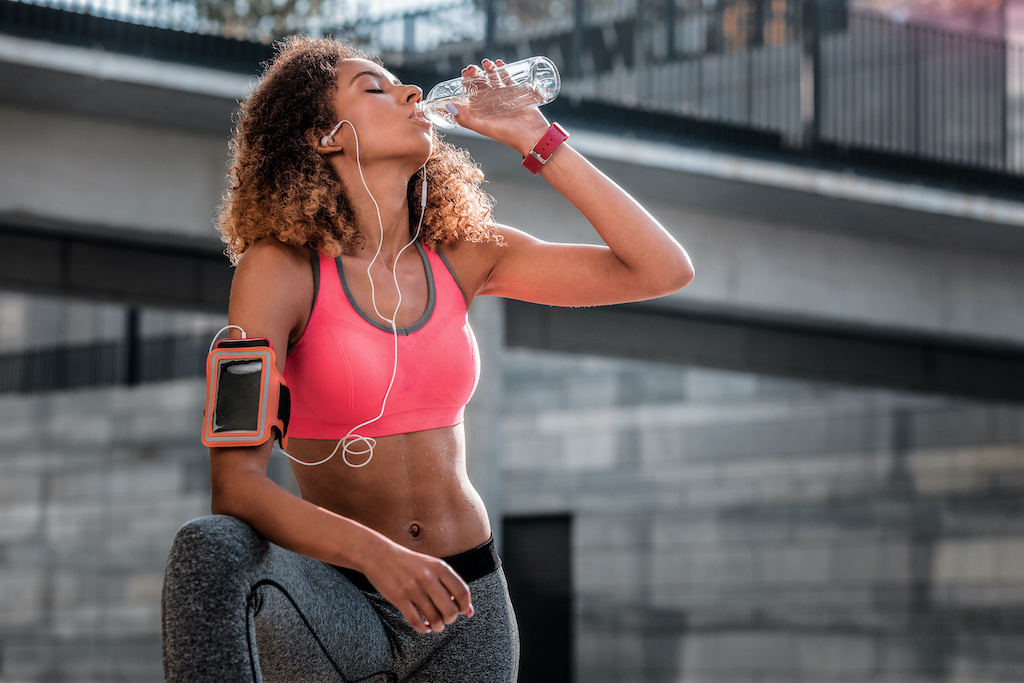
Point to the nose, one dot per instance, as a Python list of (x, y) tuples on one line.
[(415, 93)]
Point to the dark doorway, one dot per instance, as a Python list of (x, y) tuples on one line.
[(537, 559)]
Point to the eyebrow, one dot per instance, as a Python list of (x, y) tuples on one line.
[(375, 73)]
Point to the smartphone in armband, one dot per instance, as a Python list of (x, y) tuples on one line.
[(246, 397)]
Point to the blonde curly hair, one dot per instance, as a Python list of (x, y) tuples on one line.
[(280, 187)]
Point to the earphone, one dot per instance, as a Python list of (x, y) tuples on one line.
[(329, 138)]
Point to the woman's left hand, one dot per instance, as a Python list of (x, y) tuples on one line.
[(520, 130)]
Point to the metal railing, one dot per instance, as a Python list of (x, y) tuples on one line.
[(77, 366), (804, 75), (125, 35), (813, 75)]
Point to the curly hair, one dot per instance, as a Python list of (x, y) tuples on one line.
[(279, 186)]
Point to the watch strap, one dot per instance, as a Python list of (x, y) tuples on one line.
[(543, 150)]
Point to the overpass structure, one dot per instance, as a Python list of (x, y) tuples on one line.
[(114, 164), (703, 540)]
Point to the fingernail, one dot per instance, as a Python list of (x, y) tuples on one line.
[(470, 611), (452, 109)]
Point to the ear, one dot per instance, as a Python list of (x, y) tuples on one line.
[(321, 144)]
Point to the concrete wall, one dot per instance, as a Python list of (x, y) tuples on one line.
[(156, 181)]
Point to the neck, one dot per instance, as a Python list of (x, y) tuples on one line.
[(381, 208)]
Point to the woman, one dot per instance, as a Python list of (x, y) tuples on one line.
[(383, 569)]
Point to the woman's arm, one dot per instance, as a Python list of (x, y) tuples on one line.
[(640, 259), (270, 297)]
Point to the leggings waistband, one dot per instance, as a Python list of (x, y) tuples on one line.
[(471, 565)]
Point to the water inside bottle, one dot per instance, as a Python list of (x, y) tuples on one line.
[(483, 103)]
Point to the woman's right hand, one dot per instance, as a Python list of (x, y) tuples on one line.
[(428, 592)]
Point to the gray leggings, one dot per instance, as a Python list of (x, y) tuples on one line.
[(229, 594)]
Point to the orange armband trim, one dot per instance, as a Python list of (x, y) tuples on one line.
[(246, 397)]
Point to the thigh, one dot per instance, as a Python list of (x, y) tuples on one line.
[(480, 649), (312, 624)]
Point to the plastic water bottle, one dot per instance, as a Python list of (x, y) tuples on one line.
[(526, 83)]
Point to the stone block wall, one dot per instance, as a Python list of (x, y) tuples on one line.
[(731, 528), (726, 527), (93, 486)]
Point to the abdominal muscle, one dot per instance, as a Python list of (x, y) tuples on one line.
[(415, 489)]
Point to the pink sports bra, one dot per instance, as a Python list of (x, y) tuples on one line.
[(338, 371)]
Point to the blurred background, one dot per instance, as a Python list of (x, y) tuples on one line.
[(806, 467)]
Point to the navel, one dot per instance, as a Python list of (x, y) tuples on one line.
[(414, 530)]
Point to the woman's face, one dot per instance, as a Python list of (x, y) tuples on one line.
[(383, 112)]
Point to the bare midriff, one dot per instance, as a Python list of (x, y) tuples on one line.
[(415, 490)]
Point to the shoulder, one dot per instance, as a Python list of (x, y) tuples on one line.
[(273, 282), (270, 256), (270, 265)]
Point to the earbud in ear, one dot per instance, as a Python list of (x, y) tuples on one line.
[(329, 138)]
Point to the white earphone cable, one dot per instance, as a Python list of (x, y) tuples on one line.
[(352, 437), (226, 327)]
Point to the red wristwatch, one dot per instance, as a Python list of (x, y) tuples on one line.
[(543, 150)]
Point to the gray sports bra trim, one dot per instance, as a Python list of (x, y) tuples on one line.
[(444, 259), (314, 259), (431, 298)]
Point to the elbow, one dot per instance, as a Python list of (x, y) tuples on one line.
[(684, 274), (220, 505), (228, 502), (220, 501), (677, 275)]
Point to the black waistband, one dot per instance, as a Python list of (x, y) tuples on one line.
[(471, 565)]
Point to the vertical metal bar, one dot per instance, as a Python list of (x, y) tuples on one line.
[(885, 71), (490, 26), (1017, 137), (132, 350), (950, 105), (750, 85), (700, 62), (857, 128), (1004, 114), (817, 71), (916, 92), (670, 30), (576, 56), (810, 75), (884, 86), (409, 33), (942, 110), (639, 54), (963, 111), (923, 89)]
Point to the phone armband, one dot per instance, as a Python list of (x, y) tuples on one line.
[(246, 397)]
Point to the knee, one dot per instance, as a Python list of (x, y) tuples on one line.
[(213, 546), (209, 570)]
